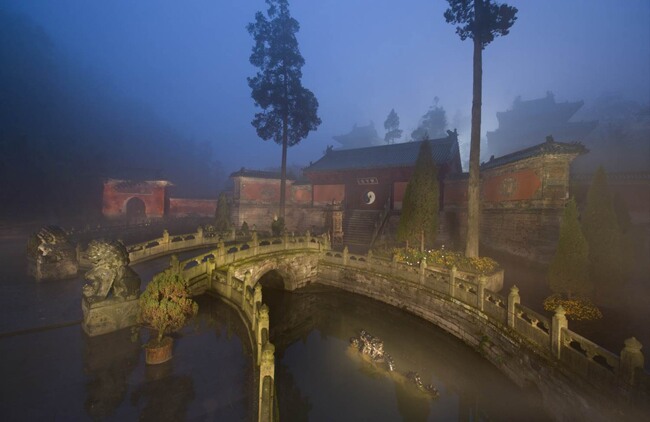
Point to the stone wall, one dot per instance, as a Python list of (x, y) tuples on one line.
[(183, 207), (521, 206)]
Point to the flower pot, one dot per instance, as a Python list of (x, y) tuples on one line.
[(158, 352)]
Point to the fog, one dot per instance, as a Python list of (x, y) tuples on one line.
[(103, 88)]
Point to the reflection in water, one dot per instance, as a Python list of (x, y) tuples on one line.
[(167, 395), (318, 373), (108, 361)]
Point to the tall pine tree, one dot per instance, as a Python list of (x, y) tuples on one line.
[(391, 125), (419, 219), (480, 20), (289, 110), (568, 273)]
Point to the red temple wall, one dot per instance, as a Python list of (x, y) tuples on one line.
[(182, 207)]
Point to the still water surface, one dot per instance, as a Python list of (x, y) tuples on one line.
[(320, 378)]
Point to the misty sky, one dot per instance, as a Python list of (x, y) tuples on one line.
[(188, 61)]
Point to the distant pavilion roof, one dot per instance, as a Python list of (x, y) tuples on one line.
[(443, 151), (548, 147)]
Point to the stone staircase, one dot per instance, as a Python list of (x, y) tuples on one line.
[(359, 228)]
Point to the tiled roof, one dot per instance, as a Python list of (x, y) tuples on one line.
[(548, 147), (394, 155), (260, 174)]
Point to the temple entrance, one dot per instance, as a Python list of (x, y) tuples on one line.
[(135, 210)]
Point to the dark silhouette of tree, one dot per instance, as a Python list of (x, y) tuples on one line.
[(480, 20), (391, 125), (289, 110), (433, 123), (603, 235), (419, 219), (568, 273), (222, 215)]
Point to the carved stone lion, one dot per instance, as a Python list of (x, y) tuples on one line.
[(111, 275), (50, 254)]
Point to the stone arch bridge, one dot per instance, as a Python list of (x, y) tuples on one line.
[(576, 378)]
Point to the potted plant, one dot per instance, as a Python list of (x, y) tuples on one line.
[(165, 306)]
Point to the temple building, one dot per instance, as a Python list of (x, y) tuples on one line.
[(529, 122), (359, 137)]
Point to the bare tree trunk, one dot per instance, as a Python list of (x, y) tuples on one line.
[(473, 186), (283, 171)]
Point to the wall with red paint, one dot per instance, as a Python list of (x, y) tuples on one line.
[(182, 207)]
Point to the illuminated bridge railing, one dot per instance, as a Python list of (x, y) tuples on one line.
[(478, 293), (550, 336), (213, 272)]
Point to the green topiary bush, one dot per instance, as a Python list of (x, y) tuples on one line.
[(165, 305)]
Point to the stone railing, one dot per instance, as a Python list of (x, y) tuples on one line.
[(214, 273), (415, 289), (550, 337)]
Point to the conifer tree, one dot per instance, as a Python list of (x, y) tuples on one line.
[(603, 236), (419, 219), (222, 215), (568, 273), (482, 21), (289, 110), (391, 125)]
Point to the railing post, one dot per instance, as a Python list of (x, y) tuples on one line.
[(557, 324), (285, 239), (369, 259), (513, 300), (233, 234), (255, 244), (631, 360), (307, 238), (480, 294), (423, 270), (246, 283), (229, 276), (199, 235), (346, 256), (165, 236), (221, 253), (452, 281), (174, 264), (266, 398)]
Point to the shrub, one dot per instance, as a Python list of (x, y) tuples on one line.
[(165, 304), (446, 258)]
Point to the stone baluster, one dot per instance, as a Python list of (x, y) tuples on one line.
[(199, 235), (513, 301), (346, 256), (423, 270), (165, 237), (262, 330), (631, 360), (255, 244), (557, 324), (210, 266), (230, 274), (480, 294), (221, 253), (174, 264), (452, 281), (285, 239), (266, 388), (369, 259), (232, 234), (246, 283), (307, 239)]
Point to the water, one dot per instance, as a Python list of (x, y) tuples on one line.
[(319, 377), (50, 370)]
